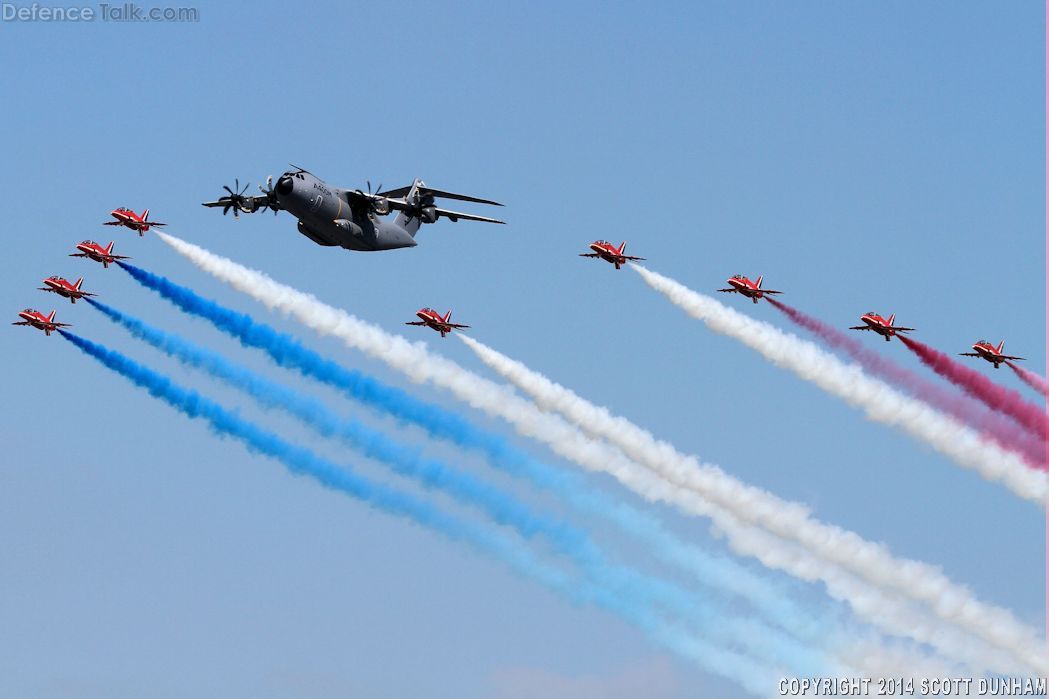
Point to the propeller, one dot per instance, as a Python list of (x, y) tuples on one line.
[(235, 199), (271, 196), (378, 204)]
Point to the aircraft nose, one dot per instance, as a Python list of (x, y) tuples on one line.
[(285, 185)]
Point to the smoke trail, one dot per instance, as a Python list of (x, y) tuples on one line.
[(1004, 400), (500, 506), (1035, 381), (1004, 431), (717, 572), (433, 473), (890, 613), (880, 402), (730, 502), (301, 461)]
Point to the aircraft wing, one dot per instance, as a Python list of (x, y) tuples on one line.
[(589, 254), (112, 223), (1005, 356), (415, 322), (900, 329), (769, 291), (968, 354), (861, 327), (729, 291), (631, 257), (61, 325), (21, 322), (403, 191), (456, 325), (454, 216)]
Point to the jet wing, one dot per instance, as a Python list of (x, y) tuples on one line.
[(897, 329), (61, 325), (631, 257), (729, 291), (769, 291), (21, 322), (415, 322), (589, 254), (112, 223), (1005, 356), (861, 327), (969, 354), (455, 325)]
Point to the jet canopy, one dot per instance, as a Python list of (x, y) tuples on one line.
[(428, 310), (982, 342), (30, 310), (88, 242), (55, 279)]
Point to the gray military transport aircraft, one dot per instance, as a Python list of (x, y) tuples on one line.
[(349, 218)]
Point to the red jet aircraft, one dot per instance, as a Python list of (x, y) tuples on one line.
[(882, 326), (609, 253), (432, 319), (986, 350), (96, 252), (127, 217), (62, 287), (35, 318), (752, 290)]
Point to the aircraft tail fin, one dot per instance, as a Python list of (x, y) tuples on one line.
[(758, 282), (109, 248), (51, 316), (408, 220), (78, 283), (622, 248), (1001, 346), (447, 316), (892, 317), (145, 215)]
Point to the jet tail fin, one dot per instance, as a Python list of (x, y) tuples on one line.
[(622, 248), (1001, 346), (892, 317), (78, 283), (109, 248), (758, 282), (51, 316), (447, 316)]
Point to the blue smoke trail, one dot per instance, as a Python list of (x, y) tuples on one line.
[(432, 473), (303, 462), (719, 572), (500, 506)]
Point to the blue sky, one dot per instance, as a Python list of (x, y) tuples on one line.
[(885, 156)]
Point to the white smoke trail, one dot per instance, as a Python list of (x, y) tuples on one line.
[(829, 548), (880, 401), (414, 360)]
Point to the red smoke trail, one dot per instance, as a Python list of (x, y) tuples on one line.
[(966, 410), (1035, 381), (1004, 400)]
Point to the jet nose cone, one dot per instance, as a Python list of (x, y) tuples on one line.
[(285, 184)]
